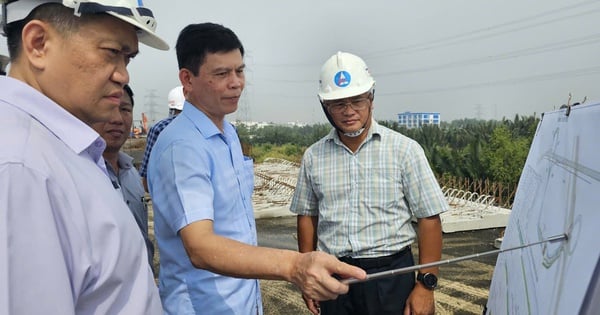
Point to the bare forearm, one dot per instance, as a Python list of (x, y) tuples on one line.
[(225, 256), (311, 272), (235, 259), (307, 233), (430, 242)]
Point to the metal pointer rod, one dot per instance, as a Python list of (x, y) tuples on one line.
[(399, 271)]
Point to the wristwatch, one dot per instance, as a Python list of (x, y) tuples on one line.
[(429, 280)]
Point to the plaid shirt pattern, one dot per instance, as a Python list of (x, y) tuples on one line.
[(153, 133), (365, 200)]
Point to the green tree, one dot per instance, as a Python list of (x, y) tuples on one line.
[(473, 148), (506, 155)]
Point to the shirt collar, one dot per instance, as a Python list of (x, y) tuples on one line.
[(125, 161), (69, 129), (206, 126)]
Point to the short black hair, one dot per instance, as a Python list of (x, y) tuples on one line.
[(129, 92), (197, 40)]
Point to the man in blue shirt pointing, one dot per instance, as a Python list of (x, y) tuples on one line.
[(201, 186)]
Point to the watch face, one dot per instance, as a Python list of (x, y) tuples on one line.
[(429, 280)]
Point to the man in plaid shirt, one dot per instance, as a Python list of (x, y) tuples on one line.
[(357, 191), (176, 99)]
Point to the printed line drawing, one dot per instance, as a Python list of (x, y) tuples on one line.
[(557, 193)]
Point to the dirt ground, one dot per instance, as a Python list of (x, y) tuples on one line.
[(463, 286)]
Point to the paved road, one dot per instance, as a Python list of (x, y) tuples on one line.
[(463, 286)]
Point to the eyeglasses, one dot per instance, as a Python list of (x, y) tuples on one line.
[(337, 107)]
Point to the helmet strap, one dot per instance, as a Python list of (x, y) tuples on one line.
[(356, 133)]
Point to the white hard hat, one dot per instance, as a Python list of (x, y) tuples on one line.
[(176, 98), (344, 75), (130, 11)]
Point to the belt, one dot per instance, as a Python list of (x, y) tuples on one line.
[(376, 262)]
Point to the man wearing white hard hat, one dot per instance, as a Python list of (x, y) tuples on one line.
[(358, 189), (175, 101), (68, 243)]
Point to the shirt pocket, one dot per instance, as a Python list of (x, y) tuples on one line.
[(383, 189)]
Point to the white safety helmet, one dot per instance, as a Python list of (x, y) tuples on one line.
[(344, 75), (176, 98), (130, 11)]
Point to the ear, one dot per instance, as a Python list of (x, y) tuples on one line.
[(35, 37), (185, 77)]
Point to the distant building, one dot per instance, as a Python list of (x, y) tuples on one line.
[(259, 124), (416, 120)]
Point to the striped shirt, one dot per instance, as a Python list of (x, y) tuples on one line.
[(365, 200)]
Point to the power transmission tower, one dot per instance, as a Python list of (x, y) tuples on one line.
[(495, 111), (243, 111), (153, 106), (478, 111)]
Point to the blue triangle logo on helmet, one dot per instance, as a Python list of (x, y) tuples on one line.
[(342, 79)]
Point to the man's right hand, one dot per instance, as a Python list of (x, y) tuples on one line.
[(313, 274), (313, 306)]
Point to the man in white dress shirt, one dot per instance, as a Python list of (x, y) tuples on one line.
[(68, 244)]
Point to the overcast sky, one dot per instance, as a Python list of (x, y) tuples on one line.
[(462, 58)]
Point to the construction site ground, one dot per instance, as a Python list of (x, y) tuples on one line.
[(463, 286)]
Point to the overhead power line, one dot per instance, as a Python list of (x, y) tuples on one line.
[(483, 33), (552, 47), (535, 78)]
